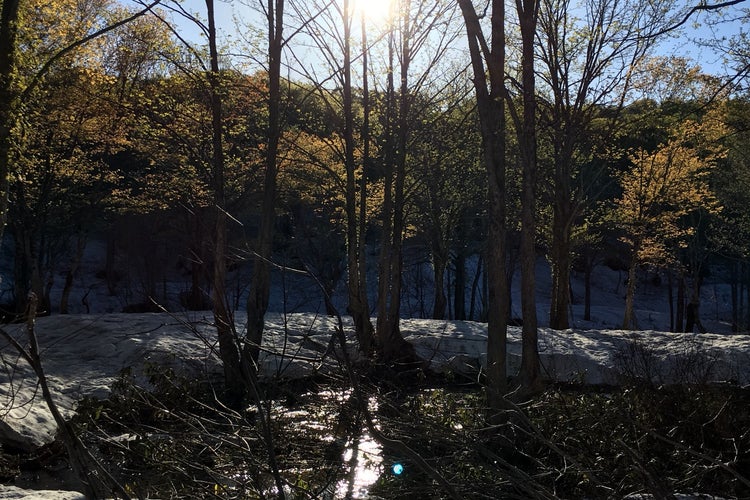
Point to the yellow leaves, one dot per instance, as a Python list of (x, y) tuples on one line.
[(667, 184)]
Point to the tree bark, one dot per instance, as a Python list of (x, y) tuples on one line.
[(228, 347), (391, 345), (70, 275), (680, 314), (358, 306), (588, 271), (489, 86), (475, 288), (670, 299), (260, 290), (735, 272), (560, 263), (530, 373), (439, 264), (367, 330), (629, 321), (459, 304)]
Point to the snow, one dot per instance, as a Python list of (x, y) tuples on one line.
[(84, 354), (10, 492)]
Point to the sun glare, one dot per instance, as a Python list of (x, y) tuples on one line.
[(375, 11)]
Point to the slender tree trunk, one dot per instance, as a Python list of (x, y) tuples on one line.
[(695, 301), (70, 275), (629, 321), (587, 284), (383, 325), (260, 290), (228, 347), (680, 314), (358, 306), (439, 264), (561, 263), (391, 344), (459, 305), (459, 263), (8, 34), (735, 271), (530, 371), (489, 86), (368, 330), (670, 298), (475, 288)]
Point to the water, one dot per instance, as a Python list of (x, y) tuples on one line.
[(365, 462)]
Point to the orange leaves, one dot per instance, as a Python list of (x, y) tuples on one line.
[(666, 184)]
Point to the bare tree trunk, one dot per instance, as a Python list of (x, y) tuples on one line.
[(529, 374), (489, 86), (561, 263), (367, 331), (439, 263), (475, 287), (228, 347), (459, 304), (391, 344), (358, 306), (260, 290), (680, 314), (735, 272), (670, 298), (695, 301), (629, 321), (587, 284), (70, 275)]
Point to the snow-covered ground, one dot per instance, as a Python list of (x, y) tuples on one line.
[(84, 354)]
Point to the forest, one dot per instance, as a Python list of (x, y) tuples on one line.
[(207, 163)]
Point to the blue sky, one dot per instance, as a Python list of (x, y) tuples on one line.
[(697, 28)]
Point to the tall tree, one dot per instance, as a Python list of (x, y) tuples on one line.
[(589, 61), (13, 93), (528, 16), (260, 290), (660, 189), (407, 42), (234, 381), (449, 189), (488, 65), (337, 52)]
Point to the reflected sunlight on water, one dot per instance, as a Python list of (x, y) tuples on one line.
[(365, 462)]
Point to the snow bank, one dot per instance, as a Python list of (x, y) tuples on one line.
[(84, 355), (9, 492)]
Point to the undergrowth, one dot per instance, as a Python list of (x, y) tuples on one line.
[(171, 438)]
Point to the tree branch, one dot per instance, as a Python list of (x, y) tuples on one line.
[(78, 43), (697, 8)]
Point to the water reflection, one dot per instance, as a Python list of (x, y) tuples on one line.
[(365, 463)]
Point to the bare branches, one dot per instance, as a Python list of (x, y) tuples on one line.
[(98, 482), (702, 7)]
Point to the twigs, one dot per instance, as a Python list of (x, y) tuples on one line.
[(97, 481)]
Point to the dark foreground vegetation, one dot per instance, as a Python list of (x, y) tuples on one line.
[(167, 437)]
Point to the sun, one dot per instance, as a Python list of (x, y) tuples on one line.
[(375, 11)]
